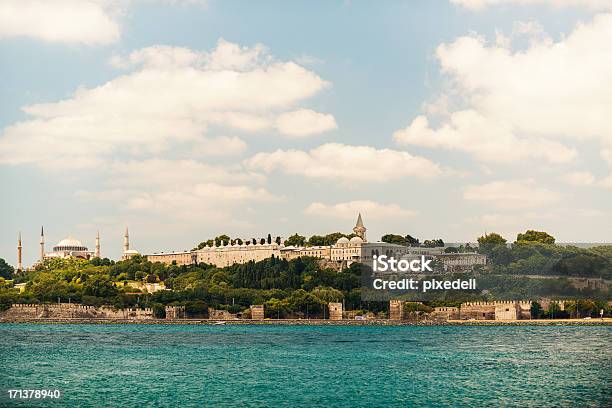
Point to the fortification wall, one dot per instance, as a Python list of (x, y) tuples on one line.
[(445, 313), (215, 314), (335, 311), (396, 310), (175, 312), (73, 311), (257, 312)]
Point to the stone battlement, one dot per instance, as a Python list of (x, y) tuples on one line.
[(73, 310)]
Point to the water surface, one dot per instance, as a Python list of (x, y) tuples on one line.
[(338, 366)]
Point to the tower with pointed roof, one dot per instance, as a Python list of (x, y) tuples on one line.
[(126, 240), (359, 229), (19, 254), (97, 251), (42, 244)]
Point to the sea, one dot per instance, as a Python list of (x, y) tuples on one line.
[(147, 365)]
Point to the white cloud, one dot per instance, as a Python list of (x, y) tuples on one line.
[(588, 4), (179, 189), (369, 209), (519, 194), (304, 122), (524, 104), (170, 98), (606, 154), (579, 178), (346, 163), (88, 22), (218, 146), (488, 140), (606, 182)]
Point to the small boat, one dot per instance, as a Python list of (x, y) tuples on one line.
[(220, 323)]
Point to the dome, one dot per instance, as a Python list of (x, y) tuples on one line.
[(343, 240), (356, 240), (69, 242), (131, 251)]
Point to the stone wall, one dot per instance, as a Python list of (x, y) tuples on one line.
[(445, 313), (396, 310), (175, 312), (257, 312), (73, 311), (215, 314), (478, 311), (335, 311), (496, 310)]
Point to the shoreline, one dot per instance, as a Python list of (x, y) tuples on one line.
[(321, 322)]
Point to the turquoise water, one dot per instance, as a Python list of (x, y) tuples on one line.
[(182, 365)]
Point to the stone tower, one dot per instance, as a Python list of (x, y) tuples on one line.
[(19, 254), (42, 244), (126, 240), (359, 229), (97, 251)]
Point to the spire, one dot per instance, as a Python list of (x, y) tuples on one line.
[(97, 252), (19, 254), (360, 229), (126, 240), (359, 221), (42, 243)]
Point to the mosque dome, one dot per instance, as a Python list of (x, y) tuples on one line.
[(131, 252), (356, 240), (342, 240), (69, 244)]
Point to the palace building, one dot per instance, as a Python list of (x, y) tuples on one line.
[(341, 254)]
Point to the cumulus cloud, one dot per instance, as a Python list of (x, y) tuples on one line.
[(170, 96), (515, 194), (606, 182), (588, 4), (179, 188), (524, 104), (487, 139), (342, 162), (369, 209), (606, 154), (304, 122), (579, 178), (90, 22)]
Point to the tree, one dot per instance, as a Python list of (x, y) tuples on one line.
[(295, 240), (100, 286), (269, 239), (433, 243), (535, 236), (316, 240), (487, 242), (411, 241), (393, 239), (6, 270), (327, 294), (536, 310), (278, 240)]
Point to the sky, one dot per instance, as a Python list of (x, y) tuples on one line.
[(187, 119)]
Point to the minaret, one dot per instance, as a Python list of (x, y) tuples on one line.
[(97, 252), (126, 241), (359, 229), (42, 244), (19, 254)]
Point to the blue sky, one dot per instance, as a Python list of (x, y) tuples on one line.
[(434, 118)]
